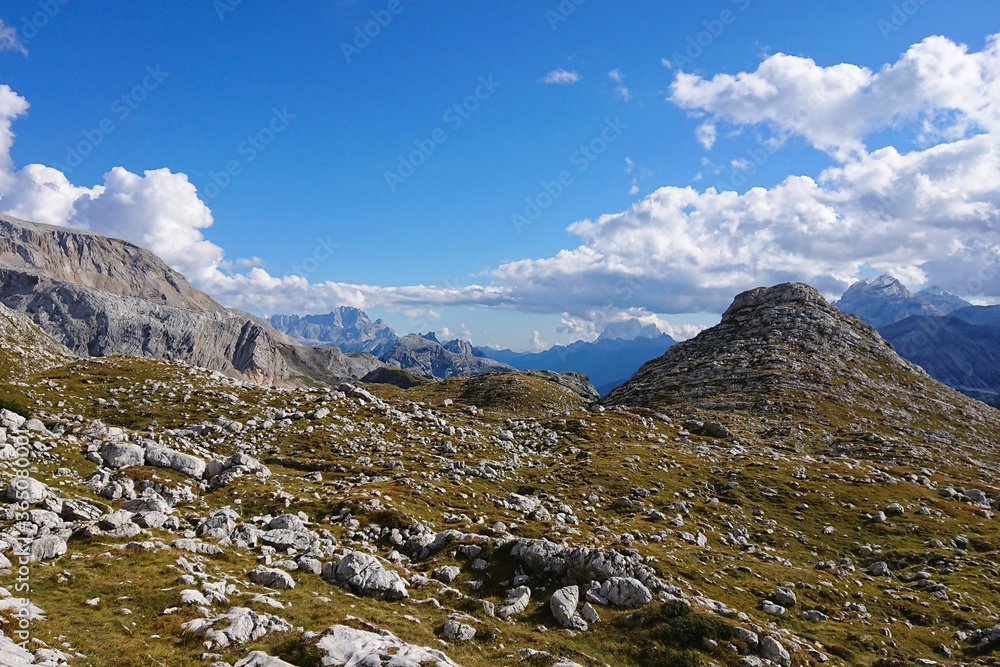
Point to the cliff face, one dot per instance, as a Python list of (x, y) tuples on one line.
[(91, 260), (101, 297)]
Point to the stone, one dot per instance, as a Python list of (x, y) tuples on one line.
[(589, 613), (271, 578), (784, 596), (879, 569), (563, 604), (46, 547), (11, 421), (458, 631), (517, 602), (446, 573), (242, 625), (26, 490), (35, 425), (771, 649), (186, 464), (122, 454), (772, 608), (895, 509), (626, 592), (363, 574), (261, 659), (282, 539), (344, 645)]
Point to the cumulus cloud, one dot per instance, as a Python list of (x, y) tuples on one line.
[(936, 83), (9, 39), (560, 76)]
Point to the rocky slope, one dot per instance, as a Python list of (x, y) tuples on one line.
[(759, 511), (101, 297), (885, 300), (25, 349)]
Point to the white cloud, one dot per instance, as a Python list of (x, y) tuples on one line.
[(936, 83), (560, 76), (616, 75), (9, 40), (535, 343), (705, 134)]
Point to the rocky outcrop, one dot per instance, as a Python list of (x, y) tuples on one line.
[(26, 349)]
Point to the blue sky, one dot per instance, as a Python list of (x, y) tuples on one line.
[(308, 134)]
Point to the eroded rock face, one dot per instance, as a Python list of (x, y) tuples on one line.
[(237, 626), (346, 646), (363, 574)]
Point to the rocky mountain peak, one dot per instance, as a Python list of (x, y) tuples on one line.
[(785, 349), (763, 298)]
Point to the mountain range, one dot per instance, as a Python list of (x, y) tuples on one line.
[(954, 341), (608, 361)]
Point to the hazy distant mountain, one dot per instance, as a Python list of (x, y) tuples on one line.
[(960, 354), (610, 360), (885, 300), (348, 328)]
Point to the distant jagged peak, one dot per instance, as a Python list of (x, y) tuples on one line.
[(629, 330), (884, 286)]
